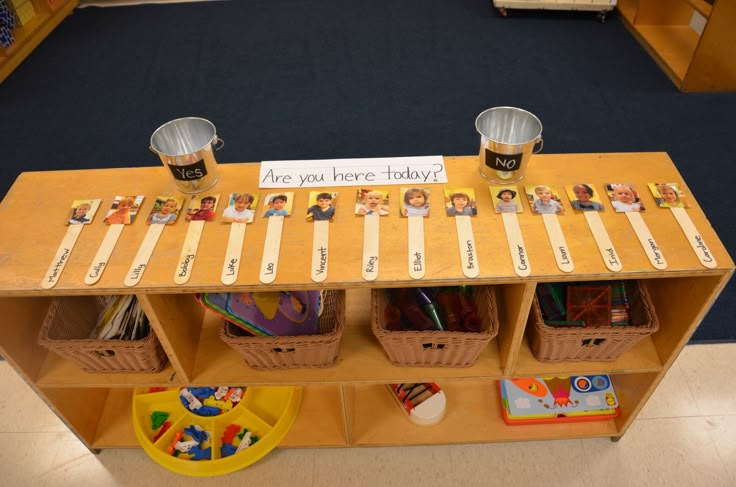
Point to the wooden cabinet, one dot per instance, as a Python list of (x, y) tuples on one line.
[(670, 30), (346, 404), (29, 36)]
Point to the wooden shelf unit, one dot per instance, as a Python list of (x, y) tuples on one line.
[(29, 36), (346, 404), (694, 61)]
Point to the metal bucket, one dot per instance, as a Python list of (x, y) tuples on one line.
[(185, 147), (507, 139)]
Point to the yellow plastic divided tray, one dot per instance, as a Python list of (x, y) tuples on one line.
[(266, 412)]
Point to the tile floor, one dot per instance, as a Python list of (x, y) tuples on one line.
[(686, 435)]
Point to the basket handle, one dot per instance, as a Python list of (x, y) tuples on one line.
[(592, 342), (103, 353), (283, 350), (433, 346)]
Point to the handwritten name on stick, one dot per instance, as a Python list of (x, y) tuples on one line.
[(516, 244), (416, 246), (231, 266), (351, 172), (466, 245), (693, 236), (320, 246), (61, 257), (103, 254)]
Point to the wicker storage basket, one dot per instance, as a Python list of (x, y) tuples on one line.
[(593, 343), (69, 322), (286, 352), (436, 348)]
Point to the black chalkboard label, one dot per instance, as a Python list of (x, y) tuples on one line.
[(189, 172), (503, 162)]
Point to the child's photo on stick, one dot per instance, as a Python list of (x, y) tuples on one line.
[(83, 211), (624, 197), (584, 197), (371, 202), (460, 201), (165, 210), (202, 208), (240, 208), (278, 204), (415, 202), (124, 209), (544, 199), (505, 199), (668, 195), (321, 206)]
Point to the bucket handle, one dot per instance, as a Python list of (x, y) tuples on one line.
[(541, 146), (150, 147)]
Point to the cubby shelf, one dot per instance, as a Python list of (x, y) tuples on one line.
[(347, 404), (29, 36), (694, 59)]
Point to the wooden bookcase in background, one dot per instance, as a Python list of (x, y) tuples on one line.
[(694, 62), (29, 36), (347, 404)]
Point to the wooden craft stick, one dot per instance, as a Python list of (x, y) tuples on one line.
[(647, 240), (466, 244), (103, 253), (370, 247), (320, 250), (558, 242), (138, 267), (693, 236), (189, 252), (417, 258), (234, 251), (62, 256), (271, 249), (605, 246), (519, 255)]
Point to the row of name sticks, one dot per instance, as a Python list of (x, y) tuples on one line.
[(370, 259)]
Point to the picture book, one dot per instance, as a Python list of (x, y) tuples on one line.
[(558, 399), (217, 303), (279, 313)]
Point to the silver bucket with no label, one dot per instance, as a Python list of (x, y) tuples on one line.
[(508, 136), (185, 146)]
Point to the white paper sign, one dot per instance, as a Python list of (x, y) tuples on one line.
[(352, 172)]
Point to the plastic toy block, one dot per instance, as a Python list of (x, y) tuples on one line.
[(198, 454), (591, 304), (234, 395), (177, 437), (229, 433), (164, 428), (207, 411), (244, 443), (158, 418), (224, 405), (185, 446), (197, 433), (227, 450), (191, 402), (220, 393), (242, 434), (552, 299), (202, 392)]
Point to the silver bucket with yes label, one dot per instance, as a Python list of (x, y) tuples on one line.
[(185, 146), (507, 139)]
